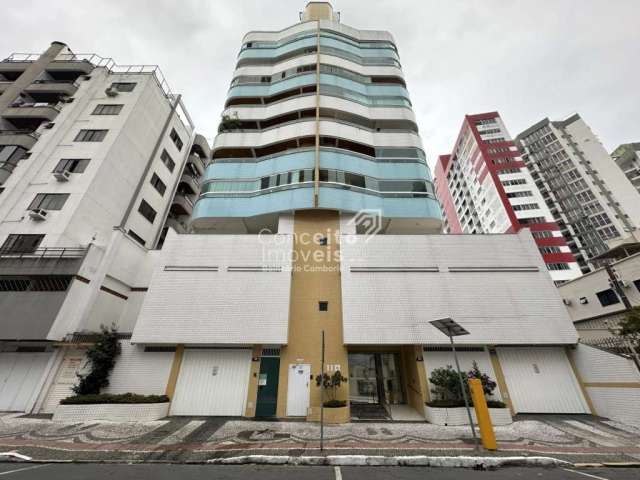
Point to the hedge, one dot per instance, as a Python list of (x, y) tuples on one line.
[(110, 398)]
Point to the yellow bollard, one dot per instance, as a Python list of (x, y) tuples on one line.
[(487, 435)]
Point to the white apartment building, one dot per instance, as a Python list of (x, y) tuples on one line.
[(627, 157), (104, 158), (592, 201)]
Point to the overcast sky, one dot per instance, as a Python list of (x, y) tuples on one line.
[(527, 59)]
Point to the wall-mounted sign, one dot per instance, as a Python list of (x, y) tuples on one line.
[(262, 380)]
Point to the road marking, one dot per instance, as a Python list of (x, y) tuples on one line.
[(25, 468), (336, 470), (585, 474), (181, 433)]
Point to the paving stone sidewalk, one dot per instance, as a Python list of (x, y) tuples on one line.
[(193, 439)]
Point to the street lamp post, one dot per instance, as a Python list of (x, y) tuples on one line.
[(452, 329)]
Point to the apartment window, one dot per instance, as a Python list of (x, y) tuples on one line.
[(105, 109), (90, 135), (136, 237), (526, 206), (167, 160), (158, 184), (40, 283), (123, 86), (549, 250), (607, 297), (21, 243), (637, 284), (542, 234), (72, 165), (323, 306), (147, 211), (49, 201), (557, 266), (176, 139)]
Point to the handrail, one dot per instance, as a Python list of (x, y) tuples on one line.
[(98, 61), (46, 252), (31, 133)]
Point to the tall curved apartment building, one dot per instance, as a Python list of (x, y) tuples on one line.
[(318, 116)]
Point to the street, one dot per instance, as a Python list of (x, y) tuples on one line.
[(29, 471)]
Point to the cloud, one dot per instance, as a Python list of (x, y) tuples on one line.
[(526, 59)]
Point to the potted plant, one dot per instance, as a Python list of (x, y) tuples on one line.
[(447, 406), (336, 411), (229, 123)]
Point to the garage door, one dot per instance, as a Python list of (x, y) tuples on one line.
[(540, 380), (74, 362), (212, 382), (20, 376)]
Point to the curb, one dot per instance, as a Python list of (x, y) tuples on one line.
[(378, 460)]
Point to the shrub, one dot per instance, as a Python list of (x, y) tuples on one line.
[(446, 383), (331, 383), (112, 398), (102, 358)]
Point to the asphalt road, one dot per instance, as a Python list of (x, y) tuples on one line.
[(26, 471)]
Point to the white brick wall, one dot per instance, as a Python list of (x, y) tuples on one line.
[(599, 367), (497, 307), (218, 307)]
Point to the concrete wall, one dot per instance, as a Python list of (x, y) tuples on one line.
[(588, 285)]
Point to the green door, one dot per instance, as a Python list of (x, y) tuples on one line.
[(268, 387)]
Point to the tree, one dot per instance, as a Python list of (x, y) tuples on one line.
[(101, 357), (630, 327), (331, 383)]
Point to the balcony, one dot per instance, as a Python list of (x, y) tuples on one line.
[(176, 224), (20, 138), (190, 183), (182, 205), (43, 111), (4, 84), (42, 261), (197, 162), (35, 285), (52, 87)]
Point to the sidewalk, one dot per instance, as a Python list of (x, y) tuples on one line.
[(188, 439)]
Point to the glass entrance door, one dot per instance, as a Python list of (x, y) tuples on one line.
[(375, 378), (363, 386)]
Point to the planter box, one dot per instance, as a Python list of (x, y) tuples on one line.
[(458, 416), (331, 415), (114, 412)]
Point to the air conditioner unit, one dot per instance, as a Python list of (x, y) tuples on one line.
[(111, 92), (48, 125), (62, 176), (584, 300), (566, 301), (38, 214)]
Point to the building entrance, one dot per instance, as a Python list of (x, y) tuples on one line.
[(375, 380)]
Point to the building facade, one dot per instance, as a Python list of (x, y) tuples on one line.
[(484, 187), (317, 226), (592, 202), (627, 157), (97, 160)]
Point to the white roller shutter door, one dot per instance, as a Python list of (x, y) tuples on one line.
[(541, 380), (212, 382)]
